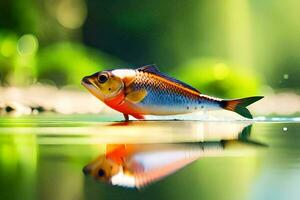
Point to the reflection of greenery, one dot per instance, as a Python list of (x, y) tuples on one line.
[(215, 77), (19, 154)]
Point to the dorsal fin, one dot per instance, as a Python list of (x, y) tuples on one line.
[(154, 70), (149, 68)]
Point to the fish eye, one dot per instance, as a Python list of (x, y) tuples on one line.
[(102, 78), (101, 173)]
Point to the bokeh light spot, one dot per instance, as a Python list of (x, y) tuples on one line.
[(285, 76), (221, 71), (27, 45), (71, 13)]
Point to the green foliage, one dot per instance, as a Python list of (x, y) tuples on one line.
[(67, 63), (166, 33), (21, 63), (17, 58), (8, 51), (220, 79)]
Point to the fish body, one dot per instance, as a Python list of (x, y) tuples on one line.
[(166, 96), (146, 91)]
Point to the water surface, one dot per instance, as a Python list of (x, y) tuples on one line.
[(42, 157)]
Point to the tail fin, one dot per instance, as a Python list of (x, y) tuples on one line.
[(239, 105)]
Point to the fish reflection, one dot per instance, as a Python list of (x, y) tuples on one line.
[(137, 165)]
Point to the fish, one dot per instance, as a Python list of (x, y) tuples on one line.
[(139, 165), (147, 91)]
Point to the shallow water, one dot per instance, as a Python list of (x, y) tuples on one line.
[(43, 157)]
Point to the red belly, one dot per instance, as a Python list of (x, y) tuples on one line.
[(119, 103)]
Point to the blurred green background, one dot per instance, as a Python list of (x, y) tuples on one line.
[(225, 48), (229, 49)]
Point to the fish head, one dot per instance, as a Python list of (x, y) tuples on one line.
[(102, 169), (104, 84)]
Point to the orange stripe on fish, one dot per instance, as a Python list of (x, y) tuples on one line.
[(174, 84), (231, 105)]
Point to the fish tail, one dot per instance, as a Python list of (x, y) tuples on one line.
[(239, 105)]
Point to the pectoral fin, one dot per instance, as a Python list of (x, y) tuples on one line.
[(136, 96), (128, 80)]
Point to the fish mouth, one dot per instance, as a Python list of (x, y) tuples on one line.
[(91, 87), (87, 170), (85, 81)]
